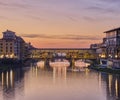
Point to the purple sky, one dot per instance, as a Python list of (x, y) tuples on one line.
[(60, 23)]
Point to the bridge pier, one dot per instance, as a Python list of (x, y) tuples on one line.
[(46, 62), (72, 63)]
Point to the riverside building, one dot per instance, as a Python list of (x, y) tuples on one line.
[(113, 43), (112, 48), (12, 46)]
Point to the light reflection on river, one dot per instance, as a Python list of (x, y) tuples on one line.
[(34, 83)]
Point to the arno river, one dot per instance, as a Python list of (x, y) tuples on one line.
[(38, 83)]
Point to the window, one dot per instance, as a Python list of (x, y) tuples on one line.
[(6, 49), (11, 51), (111, 34), (1, 44)]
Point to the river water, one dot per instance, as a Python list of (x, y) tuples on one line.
[(41, 83)]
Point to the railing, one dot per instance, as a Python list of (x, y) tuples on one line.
[(73, 56)]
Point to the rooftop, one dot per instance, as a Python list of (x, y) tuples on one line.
[(112, 30), (9, 31)]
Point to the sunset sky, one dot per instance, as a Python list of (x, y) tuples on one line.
[(60, 23)]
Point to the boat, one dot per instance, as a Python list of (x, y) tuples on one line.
[(81, 64), (73, 70), (41, 64), (59, 64), (110, 63)]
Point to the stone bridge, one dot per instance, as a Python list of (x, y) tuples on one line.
[(68, 53)]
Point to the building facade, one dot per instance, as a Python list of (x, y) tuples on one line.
[(111, 46), (113, 43), (6, 48), (12, 46)]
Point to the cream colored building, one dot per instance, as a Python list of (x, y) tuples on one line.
[(6, 48), (11, 46)]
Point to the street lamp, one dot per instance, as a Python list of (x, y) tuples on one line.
[(116, 56)]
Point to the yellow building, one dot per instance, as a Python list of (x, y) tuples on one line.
[(6, 48), (12, 46)]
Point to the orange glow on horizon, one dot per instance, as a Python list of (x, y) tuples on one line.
[(59, 43), (78, 18)]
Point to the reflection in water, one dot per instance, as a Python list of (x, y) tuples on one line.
[(116, 87), (36, 83), (59, 72), (2, 79), (112, 83), (59, 69), (11, 78), (10, 82), (7, 79)]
